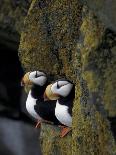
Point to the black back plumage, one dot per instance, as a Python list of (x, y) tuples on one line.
[(45, 109), (38, 91)]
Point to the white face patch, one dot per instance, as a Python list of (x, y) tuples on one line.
[(61, 83), (63, 89), (38, 78), (30, 103), (36, 74), (61, 113)]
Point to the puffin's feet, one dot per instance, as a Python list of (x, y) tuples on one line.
[(38, 125), (64, 131)]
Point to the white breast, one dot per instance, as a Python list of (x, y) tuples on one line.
[(30, 103), (61, 112)]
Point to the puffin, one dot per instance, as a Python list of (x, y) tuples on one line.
[(64, 91), (37, 106)]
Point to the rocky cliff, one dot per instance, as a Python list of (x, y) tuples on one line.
[(12, 13), (66, 38), (71, 39)]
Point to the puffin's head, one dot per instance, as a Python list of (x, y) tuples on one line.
[(60, 88), (35, 77)]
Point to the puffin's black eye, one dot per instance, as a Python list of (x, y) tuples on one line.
[(36, 75), (58, 85)]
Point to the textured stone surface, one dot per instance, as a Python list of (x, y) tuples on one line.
[(12, 13), (65, 38), (105, 10)]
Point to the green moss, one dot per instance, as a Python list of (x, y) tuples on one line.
[(98, 60), (92, 80), (89, 123), (89, 129), (109, 88), (92, 32), (54, 144)]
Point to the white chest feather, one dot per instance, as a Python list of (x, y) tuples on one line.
[(30, 103), (61, 112)]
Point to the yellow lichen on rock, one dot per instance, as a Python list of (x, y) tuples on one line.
[(91, 130), (109, 96), (92, 79), (92, 32), (54, 144)]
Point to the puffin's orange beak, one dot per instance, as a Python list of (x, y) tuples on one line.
[(25, 80), (45, 97), (49, 95)]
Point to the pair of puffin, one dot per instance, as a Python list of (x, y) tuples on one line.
[(50, 103)]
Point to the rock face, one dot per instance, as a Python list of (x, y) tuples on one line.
[(66, 38), (105, 10), (12, 13)]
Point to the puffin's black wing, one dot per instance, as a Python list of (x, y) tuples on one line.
[(46, 110)]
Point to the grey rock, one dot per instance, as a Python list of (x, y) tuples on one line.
[(105, 10)]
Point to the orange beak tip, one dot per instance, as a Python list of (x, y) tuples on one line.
[(45, 97)]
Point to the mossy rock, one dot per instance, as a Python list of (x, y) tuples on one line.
[(54, 144), (65, 38)]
